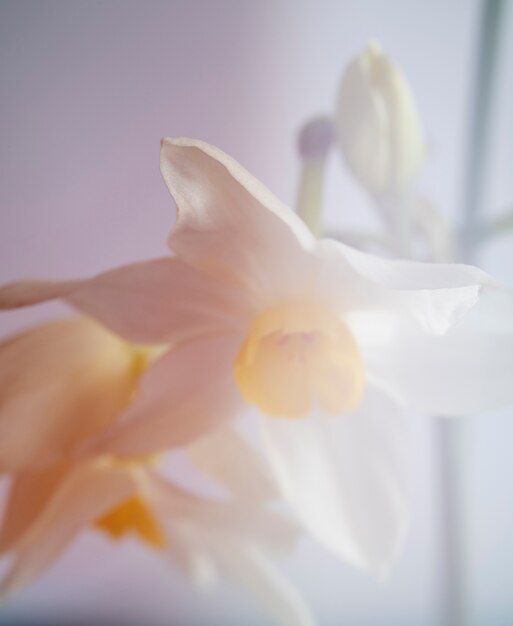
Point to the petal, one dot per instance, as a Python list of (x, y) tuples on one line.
[(256, 574), (30, 292), (466, 370), (229, 224), (60, 383), (235, 519), (158, 301), (345, 477), (87, 492), (184, 394), (226, 456), (435, 295), (229, 538), (27, 496)]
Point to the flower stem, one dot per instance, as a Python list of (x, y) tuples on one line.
[(456, 438)]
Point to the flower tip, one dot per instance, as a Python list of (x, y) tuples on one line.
[(316, 138), (373, 47)]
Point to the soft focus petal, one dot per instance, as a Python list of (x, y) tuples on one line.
[(84, 495), (226, 456), (229, 224), (28, 495), (435, 295), (252, 570), (345, 477), (60, 383), (230, 539), (29, 292), (157, 301), (186, 393), (466, 370), (229, 519)]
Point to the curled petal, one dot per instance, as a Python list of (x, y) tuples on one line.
[(157, 301), (467, 370), (435, 295), (183, 395), (229, 224), (345, 477)]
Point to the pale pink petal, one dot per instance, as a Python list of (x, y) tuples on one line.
[(158, 301), (466, 370), (186, 393), (227, 456), (29, 292), (346, 478), (435, 295), (87, 492), (230, 225), (60, 383)]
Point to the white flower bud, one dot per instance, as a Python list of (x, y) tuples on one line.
[(378, 125)]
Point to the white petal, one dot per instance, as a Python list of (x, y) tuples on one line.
[(433, 294), (229, 519), (232, 538), (345, 477), (253, 571), (184, 394), (229, 224), (226, 456), (466, 370), (157, 301), (87, 492)]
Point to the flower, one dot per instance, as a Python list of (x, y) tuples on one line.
[(60, 384), (378, 126), (329, 344)]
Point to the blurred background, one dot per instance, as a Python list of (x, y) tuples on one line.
[(88, 90)]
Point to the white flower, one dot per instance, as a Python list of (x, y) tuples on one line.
[(378, 125), (328, 343)]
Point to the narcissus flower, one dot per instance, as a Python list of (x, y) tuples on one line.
[(63, 382), (378, 124), (328, 344)]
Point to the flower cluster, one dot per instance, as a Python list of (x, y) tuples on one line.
[(324, 347)]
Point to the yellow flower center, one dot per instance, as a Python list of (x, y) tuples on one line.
[(299, 356), (133, 516)]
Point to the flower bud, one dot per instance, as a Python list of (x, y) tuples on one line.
[(378, 125)]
